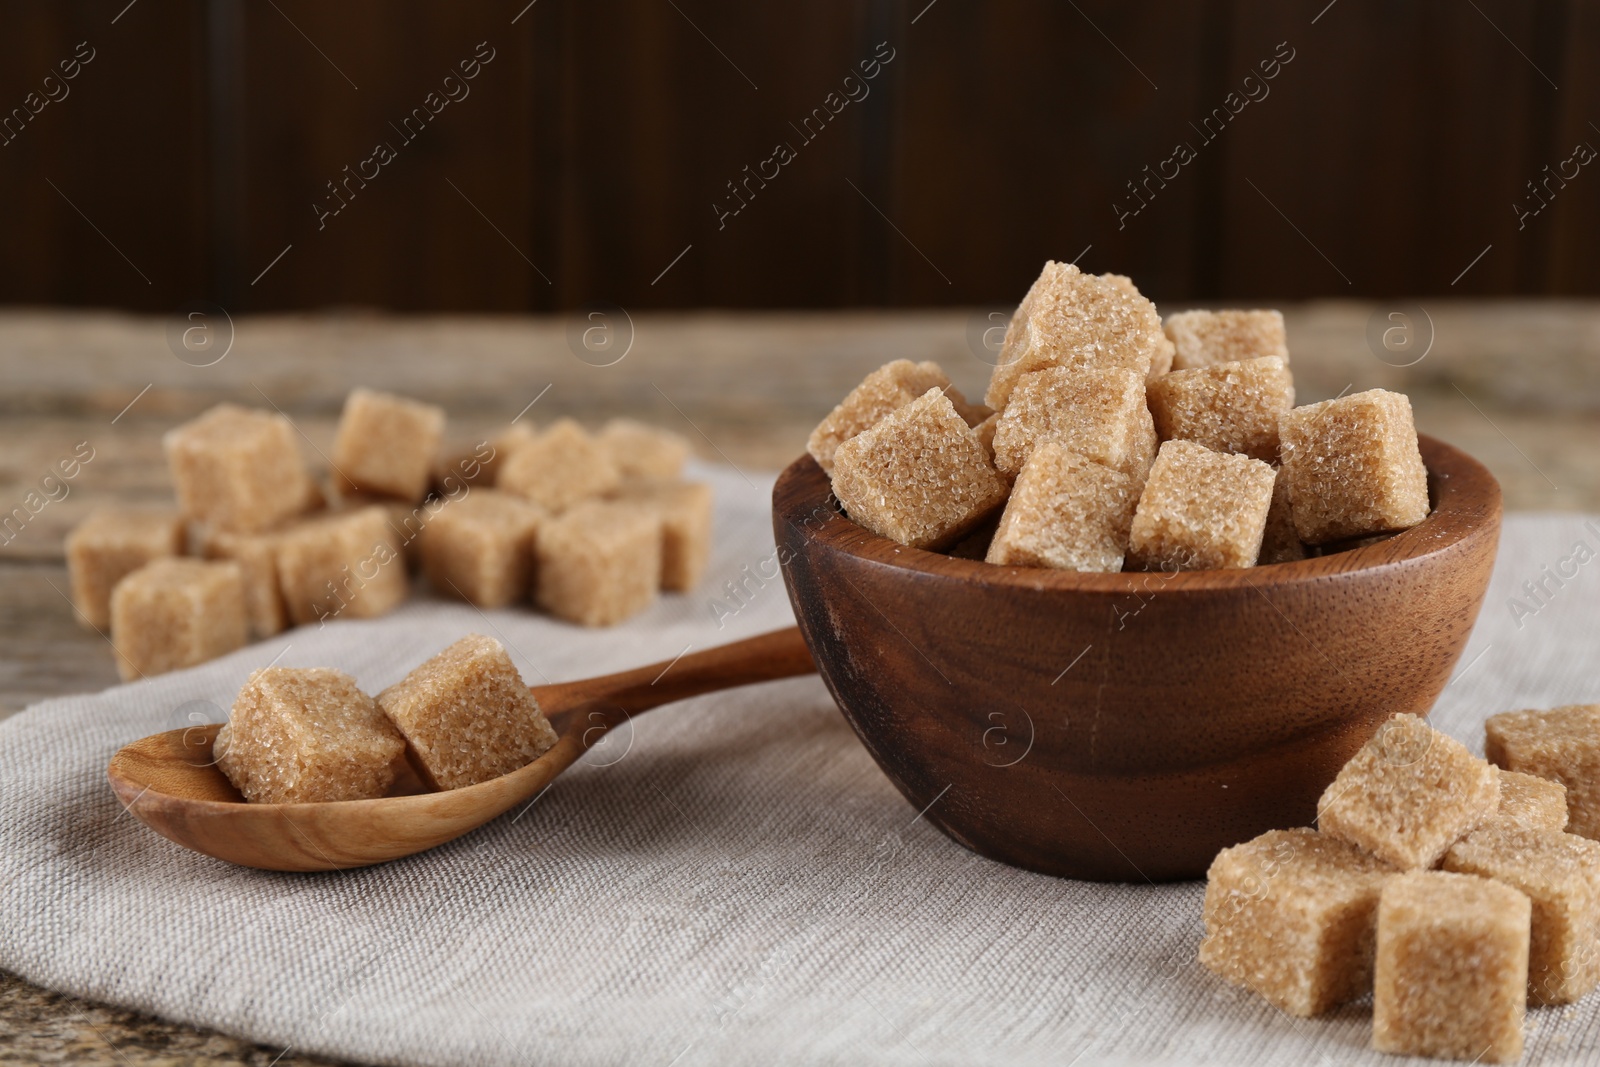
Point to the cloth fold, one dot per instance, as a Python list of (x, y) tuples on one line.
[(732, 880)]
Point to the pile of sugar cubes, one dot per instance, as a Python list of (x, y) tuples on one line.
[(587, 526), (302, 736), (1109, 440), (1452, 889)]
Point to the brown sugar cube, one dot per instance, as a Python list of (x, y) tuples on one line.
[(1098, 413), (1201, 338), (1562, 744), (1065, 512), (684, 509), (973, 415), (467, 715), (1161, 361), (1200, 510), (174, 613), (1279, 541), (316, 498), (1123, 282), (1290, 916), (889, 388), (478, 463), (1531, 803), (599, 562), (406, 520), (919, 477), (239, 470), (111, 544), (641, 451), (985, 433), (1560, 873), (480, 548), (344, 564), (257, 557), (1409, 794), (1072, 319), (386, 444), (307, 735), (1228, 407), (558, 468), (1353, 466), (1452, 964)]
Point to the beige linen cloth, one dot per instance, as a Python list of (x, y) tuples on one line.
[(735, 883)]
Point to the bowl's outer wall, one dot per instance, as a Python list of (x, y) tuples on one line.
[(1127, 727)]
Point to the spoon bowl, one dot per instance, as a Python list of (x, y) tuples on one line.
[(1126, 727), (169, 782)]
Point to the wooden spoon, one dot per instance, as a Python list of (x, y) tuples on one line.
[(169, 783)]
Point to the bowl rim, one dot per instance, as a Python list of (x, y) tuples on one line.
[(1466, 502)]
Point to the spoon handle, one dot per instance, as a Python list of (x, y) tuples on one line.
[(615, 697)]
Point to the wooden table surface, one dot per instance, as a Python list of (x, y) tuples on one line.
[(1516, 384)]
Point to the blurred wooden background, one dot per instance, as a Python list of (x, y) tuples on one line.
[(1387, 157)]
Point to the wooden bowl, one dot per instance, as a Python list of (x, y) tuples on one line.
[(1125, 727)]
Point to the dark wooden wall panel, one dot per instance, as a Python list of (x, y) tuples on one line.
[(1571, 223), (665, 104), (1020, 125), (585, 164), (125, 144), (323, 85), (1394, 143)]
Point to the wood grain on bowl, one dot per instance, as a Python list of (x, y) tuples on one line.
[(1128, 726)]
